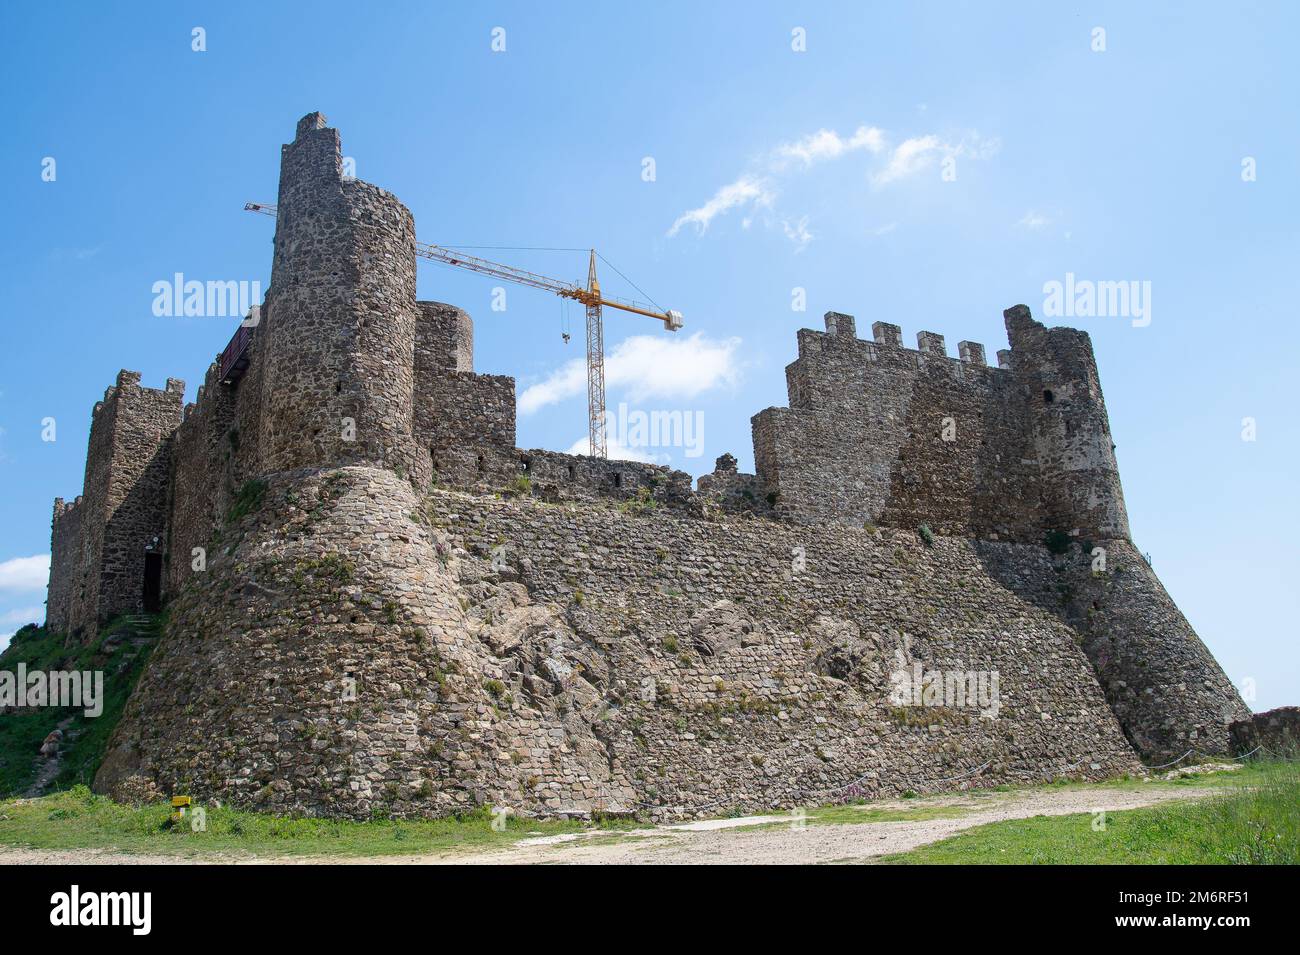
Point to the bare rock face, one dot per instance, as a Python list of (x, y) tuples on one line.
[(721, 627), (136, 790), (844, 653), (50, 745)]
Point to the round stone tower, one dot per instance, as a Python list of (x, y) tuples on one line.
[(341, 318), (1071, 432)]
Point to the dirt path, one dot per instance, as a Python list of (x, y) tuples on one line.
[(848, 842), (756, 840), (49, 767)]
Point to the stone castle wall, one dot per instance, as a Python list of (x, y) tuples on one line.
[(878, 434), (361, 651), (98, 545), (426, 618), (67, 564)]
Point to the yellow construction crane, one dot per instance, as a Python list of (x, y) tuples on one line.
[(590, 296)]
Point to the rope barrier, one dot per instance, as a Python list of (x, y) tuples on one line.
[(1175, 762), (829, 789)]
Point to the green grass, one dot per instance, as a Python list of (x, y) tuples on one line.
[(78, 819), (1253, 819), (22, 731)]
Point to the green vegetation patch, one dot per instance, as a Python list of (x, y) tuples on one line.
[(114, 652), (79, 819), (247, 501)]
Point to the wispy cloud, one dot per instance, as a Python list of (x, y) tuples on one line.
[(797, 232), (25, 574), (828, 144), (745, 191), (78, 255), (911, 156), (1033, 220), (645, 366), (755, 193), (919, 153)]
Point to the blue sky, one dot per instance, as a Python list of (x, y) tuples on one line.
[(821, 169)]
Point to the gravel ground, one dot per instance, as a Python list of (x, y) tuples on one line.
[(713, 841)]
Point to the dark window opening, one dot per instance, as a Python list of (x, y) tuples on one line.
[(573, 473), (152, 583), (480, 463), (527, 463), (1048, 397), (618, 479)]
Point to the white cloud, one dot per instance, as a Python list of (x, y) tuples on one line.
[(23, 574), (22, 615), (1034, 220), (885, 229), (911, 156), (758, 189), (920, 152), (828, 144), (744, 191), (645, 366), (797, 232)]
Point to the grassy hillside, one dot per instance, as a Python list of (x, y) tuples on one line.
[(119, 651)]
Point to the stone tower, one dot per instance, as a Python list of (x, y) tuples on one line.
[(341, 317), (107, 547), (1071, 432)]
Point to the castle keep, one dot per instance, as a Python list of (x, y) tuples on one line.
[(370, 612)]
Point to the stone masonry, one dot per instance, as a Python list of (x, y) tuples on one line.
[(378, 604)]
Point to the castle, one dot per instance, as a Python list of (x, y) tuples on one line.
[(369, 611)]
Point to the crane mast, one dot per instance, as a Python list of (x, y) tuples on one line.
[(590, 296), (596, 446)]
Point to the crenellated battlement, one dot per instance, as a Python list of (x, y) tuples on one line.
[(886, 335), (877, 433)]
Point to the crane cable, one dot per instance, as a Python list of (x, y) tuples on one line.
[(630, 282)]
